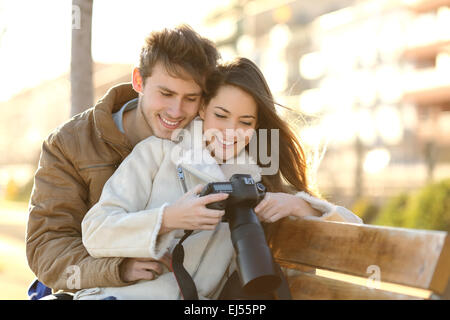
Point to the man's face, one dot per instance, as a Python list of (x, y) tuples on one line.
[(167, 103)]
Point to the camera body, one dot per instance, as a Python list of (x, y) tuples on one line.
[(256, 267), (242, 190)]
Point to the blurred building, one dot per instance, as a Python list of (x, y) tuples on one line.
[(29, 117), (371, 79)]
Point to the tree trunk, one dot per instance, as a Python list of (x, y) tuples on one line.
[(359, 173), (82, 89)]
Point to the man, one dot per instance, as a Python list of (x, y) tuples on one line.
[(78, 158)]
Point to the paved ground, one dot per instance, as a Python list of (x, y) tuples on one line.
[(15, 275)]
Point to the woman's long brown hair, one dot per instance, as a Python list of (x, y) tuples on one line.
[(245, 74)]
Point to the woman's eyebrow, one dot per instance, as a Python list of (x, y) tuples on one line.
[(225, 110)]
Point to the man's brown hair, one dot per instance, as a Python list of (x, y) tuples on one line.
[(181, 51)]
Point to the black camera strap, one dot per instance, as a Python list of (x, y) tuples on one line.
[(187, 285), (283, 292), (184, 279)]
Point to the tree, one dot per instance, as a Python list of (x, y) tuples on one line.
[(82, 89)]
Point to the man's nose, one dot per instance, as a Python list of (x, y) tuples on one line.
[(175, 110)]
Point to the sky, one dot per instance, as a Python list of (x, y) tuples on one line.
[(35, 36)]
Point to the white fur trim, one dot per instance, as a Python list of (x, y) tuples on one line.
[(330, 212), (322, 205), (164, 240)]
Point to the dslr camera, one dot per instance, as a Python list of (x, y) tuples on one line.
[(256, 267)]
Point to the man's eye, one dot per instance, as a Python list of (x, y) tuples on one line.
[(166, 94), (192, 99)]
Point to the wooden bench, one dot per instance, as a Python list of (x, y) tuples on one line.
[(318, 255)]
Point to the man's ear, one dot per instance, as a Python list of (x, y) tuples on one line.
[(138, 82), (201, 112)]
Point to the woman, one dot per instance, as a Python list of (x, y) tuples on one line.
[(144, 208)]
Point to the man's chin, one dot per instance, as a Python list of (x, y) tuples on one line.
[(166, 134)]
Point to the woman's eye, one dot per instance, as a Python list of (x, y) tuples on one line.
[(246, 123), (166, 94), (191, 99), (219, 115)]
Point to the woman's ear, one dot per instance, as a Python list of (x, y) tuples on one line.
[(137, 81)]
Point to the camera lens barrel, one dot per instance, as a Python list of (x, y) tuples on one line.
[(254, 259), (256, 267)]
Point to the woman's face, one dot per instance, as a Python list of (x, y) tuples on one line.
[(229, 121)]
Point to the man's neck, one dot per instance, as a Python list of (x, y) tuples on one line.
[(135, 127)]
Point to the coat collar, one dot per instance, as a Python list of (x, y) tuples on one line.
[(191, 154), (113, 100)]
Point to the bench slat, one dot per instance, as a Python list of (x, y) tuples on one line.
[(404, 256), (441, 282), (311, 287)]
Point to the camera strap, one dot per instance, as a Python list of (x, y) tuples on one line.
[(184, 279), (283, 292), (187, 285), (185, 282)]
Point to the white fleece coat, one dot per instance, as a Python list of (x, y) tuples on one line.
[(127, 219)]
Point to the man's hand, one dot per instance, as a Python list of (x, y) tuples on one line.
[(134, 269)]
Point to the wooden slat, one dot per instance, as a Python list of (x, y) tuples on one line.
[(311, 287), (441, 277), (404, 256)]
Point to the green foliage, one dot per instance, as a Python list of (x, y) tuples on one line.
[(25, 191), (428, 208), (392, 213), (366, 209), (19, 194)]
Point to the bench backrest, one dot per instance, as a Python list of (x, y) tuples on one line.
[(408, 257)]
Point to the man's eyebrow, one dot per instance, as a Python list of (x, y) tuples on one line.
[(225, 110), (173, 92)]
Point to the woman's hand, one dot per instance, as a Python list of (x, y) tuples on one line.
[(278, 205), (190, 212)]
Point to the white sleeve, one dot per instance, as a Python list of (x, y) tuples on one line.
[(118, 225), (330, 212)]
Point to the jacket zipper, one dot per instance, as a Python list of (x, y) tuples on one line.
[(182, 178)]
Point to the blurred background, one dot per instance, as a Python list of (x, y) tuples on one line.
[(366, 84)]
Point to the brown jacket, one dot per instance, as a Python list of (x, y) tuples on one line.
[(76, 161)]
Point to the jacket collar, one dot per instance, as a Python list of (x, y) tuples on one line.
[(190, 153), (111, 102)]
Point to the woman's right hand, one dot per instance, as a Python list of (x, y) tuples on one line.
[(190, 212)]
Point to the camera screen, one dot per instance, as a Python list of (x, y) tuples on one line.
[(223, 187)]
